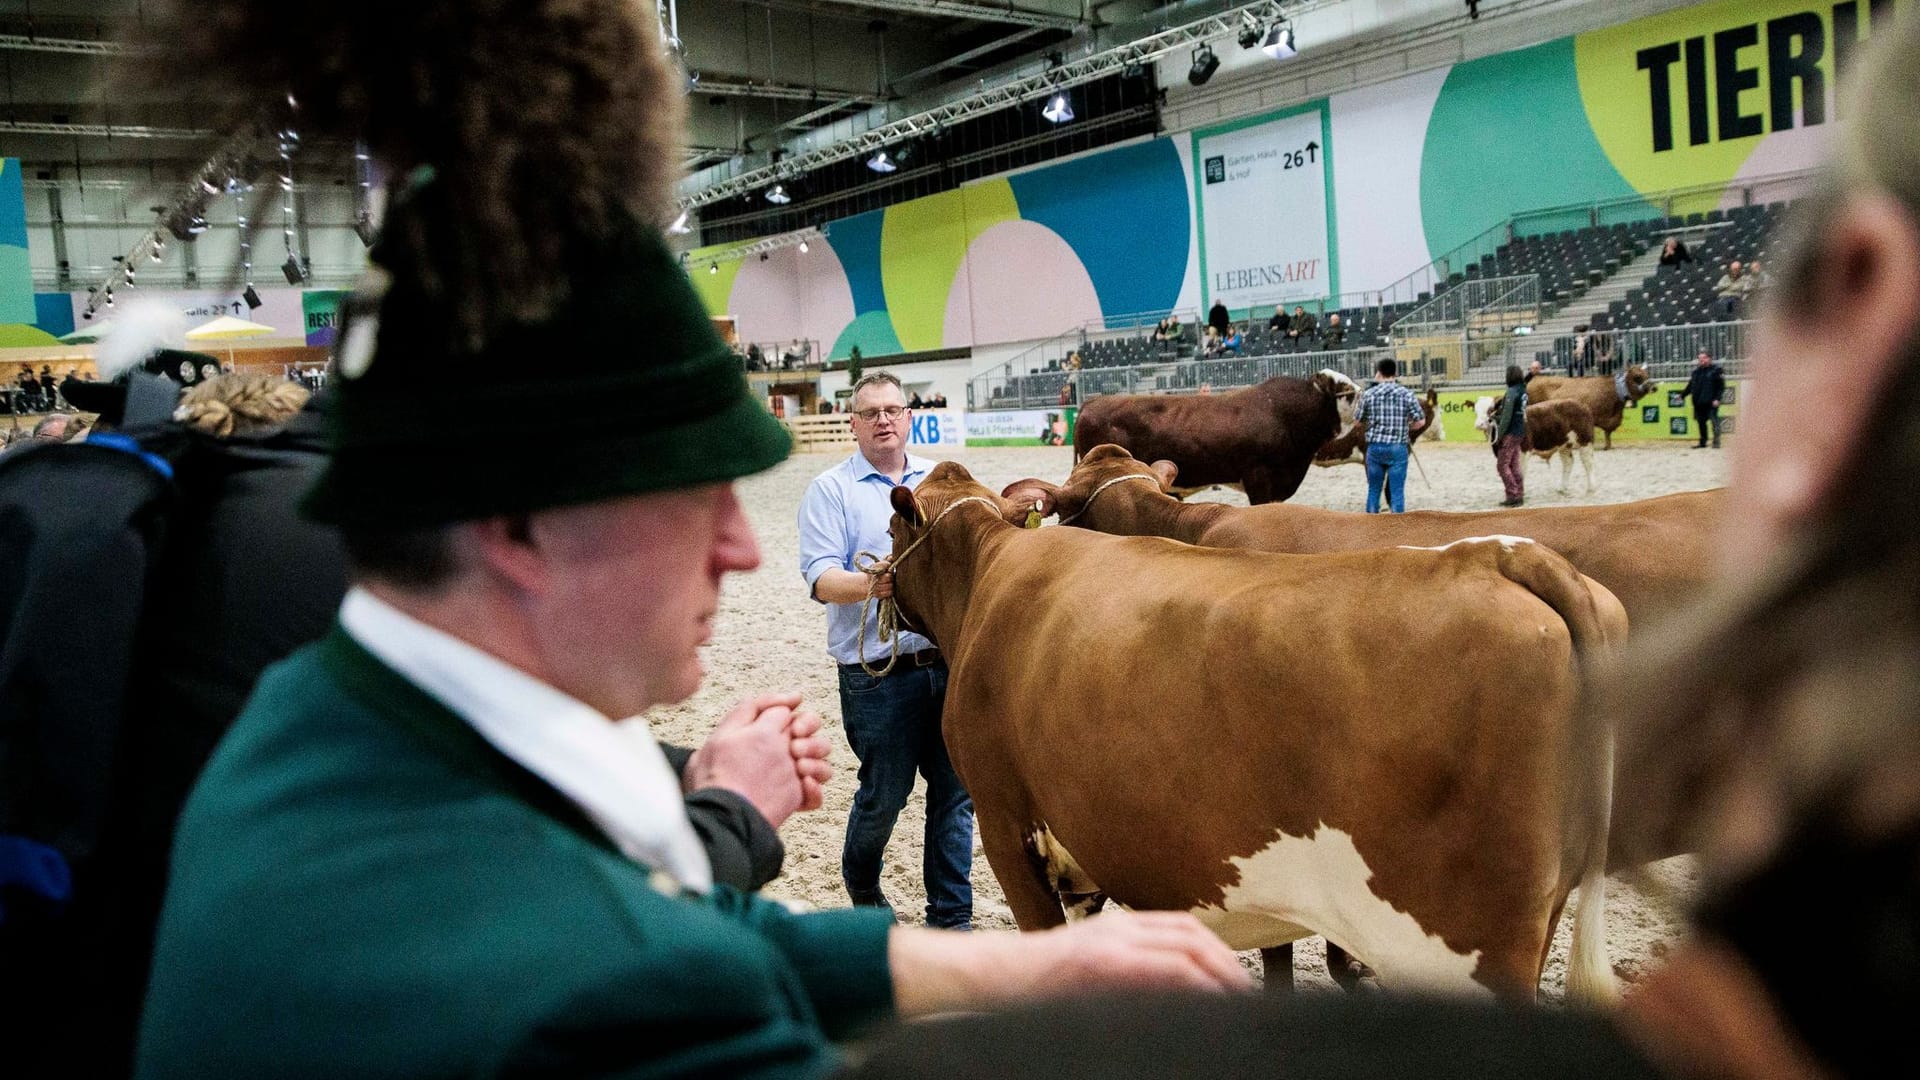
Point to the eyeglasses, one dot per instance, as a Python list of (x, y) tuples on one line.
[(889, 414)]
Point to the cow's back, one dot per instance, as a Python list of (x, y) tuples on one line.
[(1597, 393), (1653, 554)]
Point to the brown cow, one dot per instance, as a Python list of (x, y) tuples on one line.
[(1562, 427), (1260, 439), (1653, 554), (1607, 397), (1350, 446), (1293, 791)]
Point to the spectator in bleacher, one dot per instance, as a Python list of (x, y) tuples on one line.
[(1232, 341), (1732, 290), (1577, 363), (1167, 329), (1761, 279), (1675, 252), (916, 402), (1210, 340), (939, 401), (1278, 323), (1303, 325), (1705, 388), (756, 360), (49, 388), (1392, 414), (1218, 318), (1335, 335), (1508, 432)]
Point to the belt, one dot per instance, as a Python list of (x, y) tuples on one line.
[(925, 658)]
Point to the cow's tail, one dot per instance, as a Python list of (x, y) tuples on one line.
[(1597, 623)]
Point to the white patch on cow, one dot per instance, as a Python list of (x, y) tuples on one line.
[(1079, 896), (1482, 413), (1507, 542), (1344, 397), (1321, 884)]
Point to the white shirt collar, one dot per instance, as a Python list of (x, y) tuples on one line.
[(615, 772)]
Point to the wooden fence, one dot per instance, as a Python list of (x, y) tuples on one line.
[(815, 434)]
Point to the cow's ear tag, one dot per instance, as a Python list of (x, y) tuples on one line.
[(1033, 518)]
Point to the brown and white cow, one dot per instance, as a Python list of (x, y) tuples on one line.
[(1606, 396), (1260, 439), (1562, 428), (1350, 446), (1289, 788)]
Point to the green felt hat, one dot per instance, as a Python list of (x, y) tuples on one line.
[(630, 388)]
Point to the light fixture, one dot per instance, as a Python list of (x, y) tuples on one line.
[(291, 268), (777, 195), (881, 163), (803, 247), (1204, 65), (1279, 43), (251, 297), (1249, 31), (158, 246), (713, 268), (680, 226), (1058, 109)]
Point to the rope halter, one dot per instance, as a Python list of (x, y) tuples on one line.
[(887, 618), (1088, 505)]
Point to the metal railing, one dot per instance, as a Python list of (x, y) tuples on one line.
[(1179, 376), (790, 355), (1667, 352), (1502, 301)]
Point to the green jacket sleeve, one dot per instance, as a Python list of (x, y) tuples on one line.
[(840, 956)]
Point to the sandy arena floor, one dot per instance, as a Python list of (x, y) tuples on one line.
[(770, 636)]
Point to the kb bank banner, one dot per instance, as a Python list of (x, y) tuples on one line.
[(1261, 191), (938, 427)]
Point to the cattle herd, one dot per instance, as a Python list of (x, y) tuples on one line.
[(1318, 754)]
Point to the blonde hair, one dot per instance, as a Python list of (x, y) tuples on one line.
[(240, 403)]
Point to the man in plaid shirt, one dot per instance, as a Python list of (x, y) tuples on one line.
[(1392, 413)]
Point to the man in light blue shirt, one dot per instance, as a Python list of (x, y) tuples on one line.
[(892, 721)]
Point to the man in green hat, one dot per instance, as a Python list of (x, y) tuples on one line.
[(432, 846)]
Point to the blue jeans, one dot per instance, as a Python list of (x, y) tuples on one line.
[(893, 725), (1387, 462)]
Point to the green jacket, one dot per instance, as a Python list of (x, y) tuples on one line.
[(363, 886)]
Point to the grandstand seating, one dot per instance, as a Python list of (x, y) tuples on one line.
[(1684, 295)]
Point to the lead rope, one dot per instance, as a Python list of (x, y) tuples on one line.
[(1088, 505), (887, 618)]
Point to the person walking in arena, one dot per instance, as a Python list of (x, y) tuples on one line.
[(892, 719), (1509, 433), (1392, 414), (1706, 388)]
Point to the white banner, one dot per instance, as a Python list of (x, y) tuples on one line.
[(938, 427), (1262, 194), (1018, 427)]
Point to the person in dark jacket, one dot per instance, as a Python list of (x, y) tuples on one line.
[(1509, 434), (1675, 252), (1706, 388), (1218, 318)]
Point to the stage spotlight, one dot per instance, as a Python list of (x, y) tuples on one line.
[(803, 247), (1279, 43), (251, 297), (777, 195), (291, 268), (881, 163), (1058, 109), (680, 227), (1204, 65), (1249, 31), (713, 268)]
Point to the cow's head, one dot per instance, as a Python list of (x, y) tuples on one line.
[(1342, 390), (1104, 463), (948, 506), (1482, 413), (1639, 384)]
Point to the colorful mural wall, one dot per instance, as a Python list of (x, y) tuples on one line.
[(18, 311), (1712, 95)]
